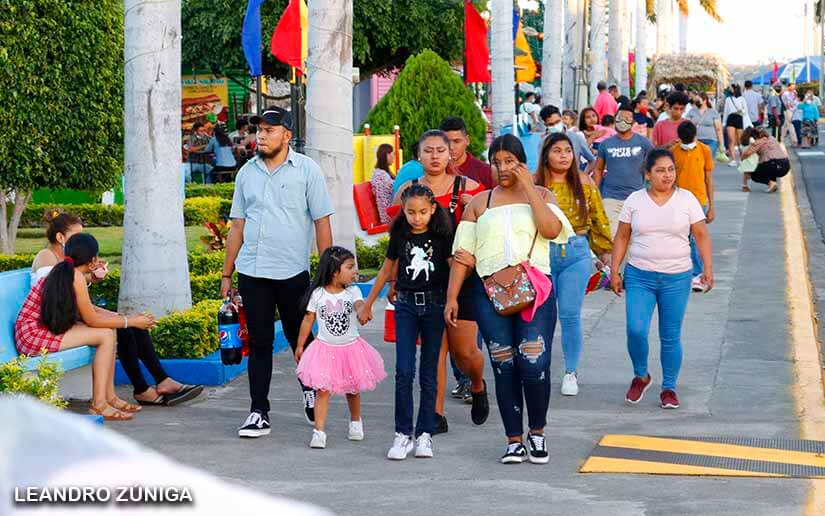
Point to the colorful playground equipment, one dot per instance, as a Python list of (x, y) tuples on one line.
[(364, 147)]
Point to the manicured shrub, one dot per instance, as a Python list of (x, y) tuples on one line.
[(222, 190), (42, 383), (201, 263), (426, 92), (10, 262), (189, 334), (196, 211)]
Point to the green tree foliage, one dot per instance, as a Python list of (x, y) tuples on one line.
[(61, 100), (426, 92), (61, 104), (385, 34)]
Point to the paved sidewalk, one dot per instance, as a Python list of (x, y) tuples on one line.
[(735, 381)]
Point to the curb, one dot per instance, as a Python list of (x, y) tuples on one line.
[(815, 247), (807, 361)]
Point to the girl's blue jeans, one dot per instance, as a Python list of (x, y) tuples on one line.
[(571, 264), (411, 320), (520, 356), (645, 291)]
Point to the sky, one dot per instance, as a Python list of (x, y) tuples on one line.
[(743, 37)]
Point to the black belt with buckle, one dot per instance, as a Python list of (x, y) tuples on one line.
[(422, 298)]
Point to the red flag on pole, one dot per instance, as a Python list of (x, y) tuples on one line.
[(288, 40), (476, 53)]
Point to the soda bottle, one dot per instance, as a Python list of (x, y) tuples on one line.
[(228, 329), (244, 331)]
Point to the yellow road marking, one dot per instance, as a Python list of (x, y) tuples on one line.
[(808, 389), (733, 451), (613, 465)]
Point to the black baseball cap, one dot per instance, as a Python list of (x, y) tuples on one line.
[(274, 116)]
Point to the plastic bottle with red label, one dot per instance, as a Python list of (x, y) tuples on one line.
[(243, 332)]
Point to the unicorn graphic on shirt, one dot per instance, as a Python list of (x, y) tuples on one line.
[(420, 262)]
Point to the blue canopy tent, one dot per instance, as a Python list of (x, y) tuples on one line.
[(803, 69)]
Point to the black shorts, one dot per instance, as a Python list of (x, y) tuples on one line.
[(735, 121), (468, 296)]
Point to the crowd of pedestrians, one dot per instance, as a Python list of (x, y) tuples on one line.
[(480, 255)]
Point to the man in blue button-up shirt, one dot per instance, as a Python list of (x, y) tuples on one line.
[(280, 200)]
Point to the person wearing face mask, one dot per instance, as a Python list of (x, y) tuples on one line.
[(810, 115), (694, 172), (623, 155), (708, 123), (554, 124)]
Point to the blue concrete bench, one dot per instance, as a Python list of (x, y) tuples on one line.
[(14, 286)]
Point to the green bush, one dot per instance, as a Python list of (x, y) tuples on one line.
[(10, 262), (196, 211), (222, 190), (189, 334), (207, 287), (371, 257), (202, 263), (104, 293), (42, 383), (95, 215), (200, 210), (426, 92)]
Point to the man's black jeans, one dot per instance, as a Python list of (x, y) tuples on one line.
[(261, 297)]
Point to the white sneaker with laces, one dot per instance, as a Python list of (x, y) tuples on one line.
[(697, 285), (401, 446), (569, 385), (319, 439), (424, 446), (356, 430)]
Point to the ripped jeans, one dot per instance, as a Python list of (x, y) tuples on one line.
[(520, 356)]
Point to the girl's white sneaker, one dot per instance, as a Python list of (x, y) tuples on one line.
[(319, 439), (356, 430)]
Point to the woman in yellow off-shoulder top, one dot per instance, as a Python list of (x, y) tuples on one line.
[(572, 265), (498, 230)]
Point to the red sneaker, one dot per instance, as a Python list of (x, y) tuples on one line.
[(669, 399), (637, 389)]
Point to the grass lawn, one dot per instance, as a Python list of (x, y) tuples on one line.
[(32, 240)]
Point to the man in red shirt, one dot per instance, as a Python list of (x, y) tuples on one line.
[(467, 164), (605, 103), (665, 131)]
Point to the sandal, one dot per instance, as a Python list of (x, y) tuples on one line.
[(186, 393), (746, 189), (124, 406), (109, 413), (157, 402)]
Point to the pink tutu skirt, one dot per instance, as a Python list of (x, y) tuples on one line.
[(347, 369)]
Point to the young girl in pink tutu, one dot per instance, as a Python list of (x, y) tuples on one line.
[(338, 361)]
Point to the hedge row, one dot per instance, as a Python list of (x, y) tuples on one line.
[(371, 257), (10, 262), (222, 190), (189, 334), (196, 211)]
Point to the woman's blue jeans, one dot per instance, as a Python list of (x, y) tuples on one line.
[(645, 291), (571, 265), (410, 321), (714, 146), (520, 356)]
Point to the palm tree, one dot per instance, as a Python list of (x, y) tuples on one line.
[(659, 11), (155, 270), (640, 79), (329, 107), (573, 27), (615, 46), (598, 35), (551, 53), (501, 62)]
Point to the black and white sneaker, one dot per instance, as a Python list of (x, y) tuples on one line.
[(538, 449), (458, 391), (309, 406), (256, 425), (515, 454)]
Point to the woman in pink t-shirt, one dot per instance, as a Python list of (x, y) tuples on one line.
[(660, 219)]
